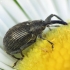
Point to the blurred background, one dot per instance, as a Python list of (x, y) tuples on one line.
[(13, 12)]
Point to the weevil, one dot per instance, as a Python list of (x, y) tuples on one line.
[(25, 34)]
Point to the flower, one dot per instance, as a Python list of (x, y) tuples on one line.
[(41, 56)]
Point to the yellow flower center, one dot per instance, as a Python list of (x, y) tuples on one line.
[(41, 56)]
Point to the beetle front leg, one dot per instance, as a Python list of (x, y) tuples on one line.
[(40, 36), (49, 27)]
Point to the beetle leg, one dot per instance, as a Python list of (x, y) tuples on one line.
[(47, 40), (15, 64), (16, 61), (16, 57), (21, 53), (40, 36), (49, 27), (51, 44), (19, 58)]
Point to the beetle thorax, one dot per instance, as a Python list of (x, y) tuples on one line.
[(37, 29)]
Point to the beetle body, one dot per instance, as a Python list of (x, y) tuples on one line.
[(24, 34)]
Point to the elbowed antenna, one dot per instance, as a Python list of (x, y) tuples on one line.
[(49, 21)]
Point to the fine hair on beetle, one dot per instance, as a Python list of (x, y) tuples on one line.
[(25, 34)]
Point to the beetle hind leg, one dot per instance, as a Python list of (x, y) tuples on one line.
[(15, 64), (17, 59)]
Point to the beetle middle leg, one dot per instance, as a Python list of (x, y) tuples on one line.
[(51, 44), (40, 36)]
